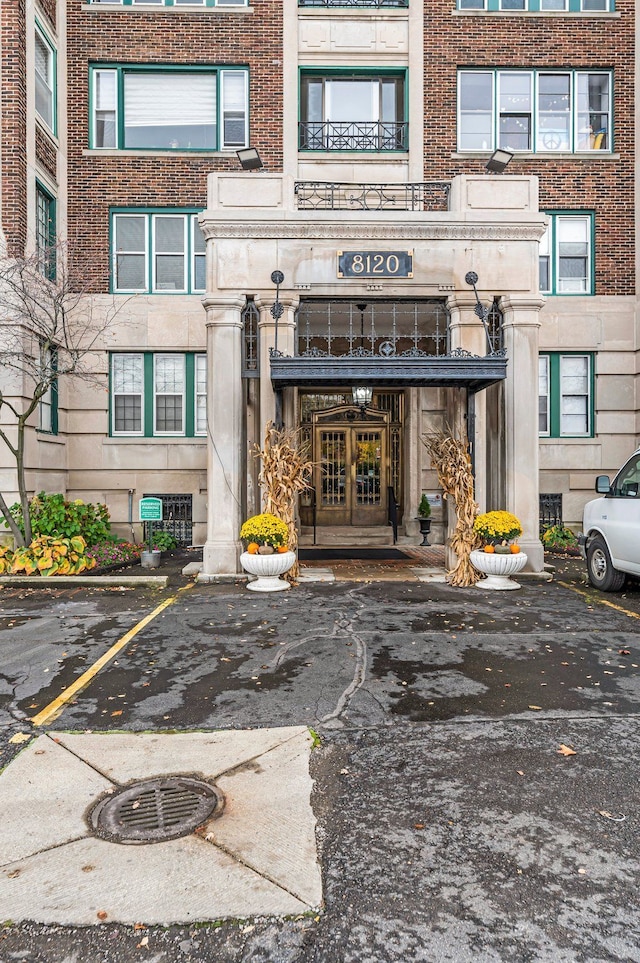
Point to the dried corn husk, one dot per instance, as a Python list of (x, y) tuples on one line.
[(452, 461), (286, 471)]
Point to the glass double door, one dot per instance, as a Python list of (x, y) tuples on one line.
[(351, 475)]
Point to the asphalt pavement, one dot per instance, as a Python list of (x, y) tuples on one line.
[(475, 760)]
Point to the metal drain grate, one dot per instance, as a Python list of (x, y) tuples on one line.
[(156, 809)]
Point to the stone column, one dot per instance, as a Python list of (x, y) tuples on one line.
[(225, 442), (521, 327)]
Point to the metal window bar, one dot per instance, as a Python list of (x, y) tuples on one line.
[(386, 329), (495, 327), (352, 3), (353, 135), (336, 196), (550, 510), (250, 317), (177, 517)]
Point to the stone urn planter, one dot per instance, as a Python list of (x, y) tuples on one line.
[(267, 570), (425, 528), (498, 569)]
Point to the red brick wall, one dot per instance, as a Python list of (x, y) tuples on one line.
[(601, 184), (14, 126), (46, 152), (96, 181)]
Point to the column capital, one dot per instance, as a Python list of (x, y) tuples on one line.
[(223, 310)]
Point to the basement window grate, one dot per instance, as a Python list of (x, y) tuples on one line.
[(154, 810)]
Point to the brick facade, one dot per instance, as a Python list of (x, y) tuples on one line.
[(14, 125), (601, 183), (98, 181)]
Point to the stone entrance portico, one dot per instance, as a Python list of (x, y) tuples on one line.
[(492, 227)]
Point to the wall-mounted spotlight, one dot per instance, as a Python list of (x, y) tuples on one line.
[(498, 161), (249, 159)]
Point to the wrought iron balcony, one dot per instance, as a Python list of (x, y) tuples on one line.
[(327, 196), (353, 135), (353, 3)]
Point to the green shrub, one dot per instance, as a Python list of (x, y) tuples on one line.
[(164, 541), (54, 515), (559, 538)]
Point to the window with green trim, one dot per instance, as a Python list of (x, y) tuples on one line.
[(353, 110), (566, 254), (45, 232), (539, 111), (176, 3), (565, 395), (156, 108), (45, 78), (48, 404), (160, 252), (537, 6), (158, 394)]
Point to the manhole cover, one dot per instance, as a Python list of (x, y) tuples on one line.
[(156, 809)]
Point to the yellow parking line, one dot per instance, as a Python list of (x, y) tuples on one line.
[(594, 598), (53, 710)]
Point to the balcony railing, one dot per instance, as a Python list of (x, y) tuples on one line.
[(353, 3), (328, 196), (353, 135)]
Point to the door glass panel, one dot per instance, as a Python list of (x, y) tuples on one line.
[(333, 458), (368, 457)]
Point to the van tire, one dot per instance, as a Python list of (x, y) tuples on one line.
[(602, 574)]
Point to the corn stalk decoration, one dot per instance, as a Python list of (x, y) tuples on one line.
[(452, 461), (286, 471)]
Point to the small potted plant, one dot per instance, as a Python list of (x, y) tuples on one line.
[(499, 556), (267, 554), (424, 517)]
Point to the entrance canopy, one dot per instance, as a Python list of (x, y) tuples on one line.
[(458, 370)]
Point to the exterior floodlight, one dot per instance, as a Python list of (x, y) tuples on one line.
[(498, 161), (249, 159), (362, 396)]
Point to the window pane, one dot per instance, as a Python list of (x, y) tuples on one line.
[(201, 393), (130, 239), (574, 387), (130, 273), (130, 232), (127, 373), (543, 395), (169, 373), (554, 112), (170, 110), (44, 79), (545, 279), (476, 104), (104, 92), (169, 413), (593, 110), (128, 414), (198, 280), (573, 254), (170, 272), (169, 234), (234, 108)]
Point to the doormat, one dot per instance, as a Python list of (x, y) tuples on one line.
[(346, 554)]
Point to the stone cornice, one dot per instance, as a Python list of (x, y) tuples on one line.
[(385, 231)]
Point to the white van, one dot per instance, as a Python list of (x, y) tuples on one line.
[(610, 540)]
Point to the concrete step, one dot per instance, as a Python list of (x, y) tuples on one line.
[(345, 537)]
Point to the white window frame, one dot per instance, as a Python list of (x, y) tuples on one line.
[(155, 254), (194, 226), (114, 394), (200, 360), (550, 242), (222, 110), (47, 83), (116, 252), (578, 142), (156, 394), (575, 434), (544, 364)]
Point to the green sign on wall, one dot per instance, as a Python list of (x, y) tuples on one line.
[(150, 509)]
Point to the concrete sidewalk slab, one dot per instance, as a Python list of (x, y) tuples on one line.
[(257, 858)]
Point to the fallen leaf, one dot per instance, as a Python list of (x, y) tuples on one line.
[(620, 818), (566, 751), (624, 651), (139, 926), (19, 737), (582, 871), (143, 942), (136, 804), (419, 825), (520, 772), (539, 708), (101, 915), (118, 712)]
